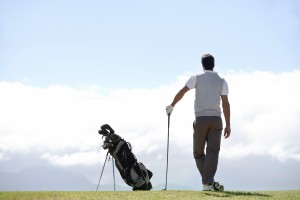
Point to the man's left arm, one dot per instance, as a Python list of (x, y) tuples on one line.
[(226, 112)]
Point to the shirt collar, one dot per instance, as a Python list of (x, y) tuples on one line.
[(208, 71)]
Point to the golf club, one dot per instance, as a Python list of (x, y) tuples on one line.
[(167, 152)]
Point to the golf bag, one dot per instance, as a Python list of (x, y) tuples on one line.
[(134, 173)]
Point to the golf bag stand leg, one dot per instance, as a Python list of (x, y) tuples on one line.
[(113, 165), (102, 171)]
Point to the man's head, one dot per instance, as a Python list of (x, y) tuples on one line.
[(208, 62)]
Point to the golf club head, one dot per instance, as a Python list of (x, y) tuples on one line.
[(106, 130)]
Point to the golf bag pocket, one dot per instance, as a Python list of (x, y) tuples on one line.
[(141, 176)]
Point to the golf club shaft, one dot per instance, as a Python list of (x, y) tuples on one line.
[(167, 152)]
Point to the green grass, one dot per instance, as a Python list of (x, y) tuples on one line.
[(280, 195)]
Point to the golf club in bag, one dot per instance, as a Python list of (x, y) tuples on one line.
[(134, 173)]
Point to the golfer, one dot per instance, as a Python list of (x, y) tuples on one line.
[(210, 89)]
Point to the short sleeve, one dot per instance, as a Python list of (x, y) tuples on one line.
[(191, 83), (225, 89)]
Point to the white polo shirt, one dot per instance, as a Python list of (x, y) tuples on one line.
[(209, 86), (191, 83)]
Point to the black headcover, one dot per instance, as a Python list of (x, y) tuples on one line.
[(106, 130)]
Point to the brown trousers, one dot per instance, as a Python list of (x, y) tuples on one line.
[(207, 132)]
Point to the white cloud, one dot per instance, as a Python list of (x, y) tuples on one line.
[(60, 123), (265, 113), (77, 158)]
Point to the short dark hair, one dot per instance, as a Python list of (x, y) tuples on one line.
[(208, 61)]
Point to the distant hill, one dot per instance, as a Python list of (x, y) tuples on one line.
[(58, 179), (37, 179)]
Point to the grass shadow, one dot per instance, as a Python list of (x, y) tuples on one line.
[(246, 194), (233, 193)]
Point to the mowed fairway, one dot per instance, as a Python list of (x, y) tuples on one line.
[(280, 195)]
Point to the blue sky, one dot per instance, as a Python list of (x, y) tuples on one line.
[(66, 67), (142, 43)]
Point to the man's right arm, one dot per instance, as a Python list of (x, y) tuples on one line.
[(177, 98), (179, 95), (226, 111), (190, 84)]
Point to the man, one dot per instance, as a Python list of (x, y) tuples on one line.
[(210, 89)]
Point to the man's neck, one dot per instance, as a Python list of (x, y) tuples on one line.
[(208, 70)]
